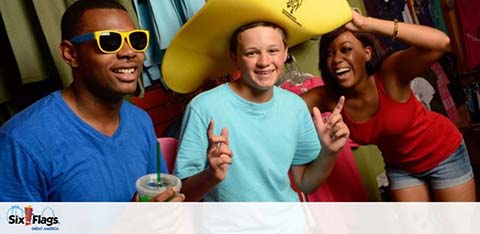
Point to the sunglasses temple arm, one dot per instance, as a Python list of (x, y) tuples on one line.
[(82, 38)]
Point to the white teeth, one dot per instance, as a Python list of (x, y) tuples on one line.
[(125, 70), (263, 72), (342, 70)]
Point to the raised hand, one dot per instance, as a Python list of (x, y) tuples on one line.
[(357, 23), (218, 154), (332, 131)]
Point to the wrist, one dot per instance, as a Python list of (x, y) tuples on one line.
[(329, 153), (365, 26), (211, 177)]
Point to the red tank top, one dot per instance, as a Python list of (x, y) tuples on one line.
[(410, 137)]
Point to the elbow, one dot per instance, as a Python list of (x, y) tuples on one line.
[(308, 191), (310, 188), (444, 43)]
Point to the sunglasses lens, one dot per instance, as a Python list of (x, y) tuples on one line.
[(138, 40), (110, 42)]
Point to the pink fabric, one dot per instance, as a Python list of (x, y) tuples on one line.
[(309, 83), (447, 100), (168, 146), (344, 183)]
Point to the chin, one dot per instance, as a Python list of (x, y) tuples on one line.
[(263, 86), (128, 88)]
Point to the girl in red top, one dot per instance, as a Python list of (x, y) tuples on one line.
[(425, 156)]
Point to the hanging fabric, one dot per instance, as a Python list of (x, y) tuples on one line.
[(49, 16), (473, 102), (437, 17), (389, 10), (31, 55), (422, 11), (468, 12), (163, 19), (410, 8), (442, 82), (423, 91), (7, 64), (188, 8), (448, 61)]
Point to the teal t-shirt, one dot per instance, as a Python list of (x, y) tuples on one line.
[(266, 139)]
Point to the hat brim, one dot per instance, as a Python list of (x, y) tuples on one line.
[(200, 49)]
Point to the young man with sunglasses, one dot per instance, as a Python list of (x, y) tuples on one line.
[(85, 143)]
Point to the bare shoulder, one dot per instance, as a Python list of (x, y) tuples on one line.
[(322, 97)]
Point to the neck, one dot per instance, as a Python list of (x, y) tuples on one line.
[(250, 94), (101, 114), (362, 89)]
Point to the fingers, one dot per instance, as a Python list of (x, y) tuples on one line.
[(226, 159), (210, 129), (218, 143), (135, 197), (342, 133), (178, 198), (317, 117), (216, 140), (221, 155), (333, 125), (339, 130), (224, 134), (333, 120), (339, 106), (165, 195)]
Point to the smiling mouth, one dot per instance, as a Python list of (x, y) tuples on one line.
[(263, 73), (124, 70), (342, 72)]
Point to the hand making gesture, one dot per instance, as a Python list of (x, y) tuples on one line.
[(218, 154), (332, 131)]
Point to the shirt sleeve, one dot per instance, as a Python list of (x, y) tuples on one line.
[(308, 144), (193, 144), (20, 177)]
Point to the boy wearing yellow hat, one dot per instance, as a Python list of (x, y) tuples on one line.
[(267, 131)]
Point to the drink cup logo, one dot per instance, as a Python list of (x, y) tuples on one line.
[(28, 215)]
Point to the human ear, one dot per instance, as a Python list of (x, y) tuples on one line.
[(233, 57), (69, 53), (286, 55), (368, 53)]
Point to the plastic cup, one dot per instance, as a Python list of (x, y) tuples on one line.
[(148, 187)]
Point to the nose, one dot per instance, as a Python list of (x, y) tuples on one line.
[(126, 51), (263, 60), (337, 58)]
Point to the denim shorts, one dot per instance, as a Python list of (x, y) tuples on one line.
[(453, 171)]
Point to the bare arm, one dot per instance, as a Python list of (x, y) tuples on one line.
[(426, 46), (318, 97), (219, 158), (333, 134)]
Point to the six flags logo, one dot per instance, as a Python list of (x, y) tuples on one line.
[(17, 215)]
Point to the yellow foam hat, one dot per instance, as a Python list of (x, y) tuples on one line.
[(200, 48)]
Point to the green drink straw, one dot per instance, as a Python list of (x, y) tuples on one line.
[(159, 168)]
